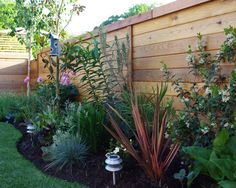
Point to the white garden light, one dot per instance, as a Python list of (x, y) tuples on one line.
[(30, 129), (113, 164)]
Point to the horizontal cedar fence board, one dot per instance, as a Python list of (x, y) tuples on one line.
[(213, 41), (16, 78), (20, 69), (172, 61), (184, 74), (144, 87), (206, 26), (176, 6), (21, 63), (213, 8), (15, 55)]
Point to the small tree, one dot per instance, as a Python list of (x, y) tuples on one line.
[(36, 17)]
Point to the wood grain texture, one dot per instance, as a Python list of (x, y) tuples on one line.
[(213, 41), (207, 26), (202, 11), (184, 74), (176, 6)]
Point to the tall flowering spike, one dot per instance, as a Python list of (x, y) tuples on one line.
[(27, 79), (39, 79)]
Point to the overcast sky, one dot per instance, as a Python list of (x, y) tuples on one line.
[(98, 11)]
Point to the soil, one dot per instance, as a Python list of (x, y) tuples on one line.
[(93, 173)]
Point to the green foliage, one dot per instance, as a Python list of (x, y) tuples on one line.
[(209, 108), (47, 91), (218, 161), (48, 116), (180, 175), (66, 150), (7, 104), (92, 119), (16, 171), (7, 14), (135, 10), (86, 121), (20, 107), (101, 73)]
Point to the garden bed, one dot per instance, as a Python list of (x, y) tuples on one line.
[(93, 173)]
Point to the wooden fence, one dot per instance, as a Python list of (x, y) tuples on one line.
[(13, 64), (163, 35)]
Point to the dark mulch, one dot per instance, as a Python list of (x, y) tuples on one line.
[(93, 173)]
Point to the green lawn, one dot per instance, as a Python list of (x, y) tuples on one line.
[(16, 172)]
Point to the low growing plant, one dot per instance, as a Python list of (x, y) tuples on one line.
[(218, 161), (66, 150)]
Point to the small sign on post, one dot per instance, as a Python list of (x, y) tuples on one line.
[(54, 45)]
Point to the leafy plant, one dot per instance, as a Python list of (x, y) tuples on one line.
[(181, 175), (66, 150), (152, 152), (47, 117), (92, 118), (208, 107), (47, 92), (217, 161)]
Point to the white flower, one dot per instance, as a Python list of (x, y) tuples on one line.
[(202, 61), (187, 124), (226, 125), (230, 39), (162, 69), (225, 95), (205, 130), (184, 100), (117, 149), (45, 11), (190, 59), (213, 124), (166, 135), (208, 91)]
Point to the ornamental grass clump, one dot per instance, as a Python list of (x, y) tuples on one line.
[(66, 150), (150, 148)]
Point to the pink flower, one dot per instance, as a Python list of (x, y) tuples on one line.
[(27, 79), (72, 73), (65, 80), (39, 79)]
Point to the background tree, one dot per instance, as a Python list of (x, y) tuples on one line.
[(7, 13), (135, 10)]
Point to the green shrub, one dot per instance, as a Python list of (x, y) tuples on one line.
[(208, 107), (66, 150), (47, 91)]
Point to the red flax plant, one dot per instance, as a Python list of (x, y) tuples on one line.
[(153, 153)]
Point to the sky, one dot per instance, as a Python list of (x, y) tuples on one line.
[(97, 11)]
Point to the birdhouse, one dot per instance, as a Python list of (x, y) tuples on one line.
[(54, 39)]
